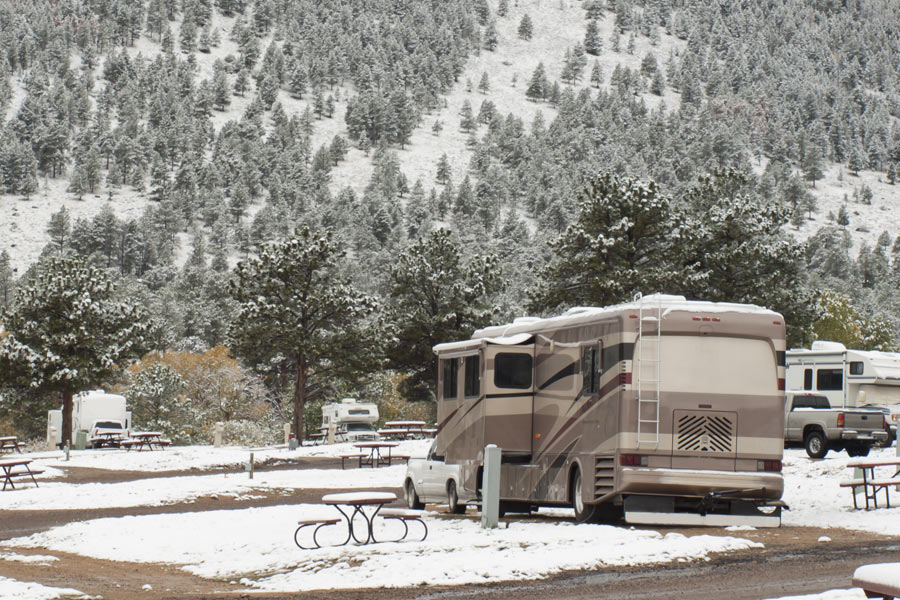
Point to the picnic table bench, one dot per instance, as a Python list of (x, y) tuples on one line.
[(9, 443), (878, 580), (145, 439), (870, 484)]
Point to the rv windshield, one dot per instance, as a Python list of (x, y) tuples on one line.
[(717, 365), (359, 427)]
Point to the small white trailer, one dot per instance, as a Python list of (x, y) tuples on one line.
[(848, 378), (89, 408), (352, 421)]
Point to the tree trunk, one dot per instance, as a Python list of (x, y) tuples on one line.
[(66, 433), (300, 397)]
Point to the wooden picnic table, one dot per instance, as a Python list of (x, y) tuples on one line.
[(8, 443), (358, 501), (8, 464), (375, 456), (870, 483), (109, 439), (145, 439)]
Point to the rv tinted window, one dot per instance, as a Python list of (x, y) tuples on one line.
[(472, 385), (829, 379), (856, 367), (807, 379), (450, 369), (512, 371), (590, 369)]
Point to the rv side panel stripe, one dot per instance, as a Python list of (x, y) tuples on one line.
[(561, 374), (447, 420)]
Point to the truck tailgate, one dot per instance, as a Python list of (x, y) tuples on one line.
[(863, 421)]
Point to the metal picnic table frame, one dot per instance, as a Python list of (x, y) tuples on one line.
[(375, 457), (7, 465), (871, 484)]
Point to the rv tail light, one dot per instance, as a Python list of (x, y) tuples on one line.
[(840, 420), (776, 322), (632, 316), (632, 460), (781, 384), (769, 465)]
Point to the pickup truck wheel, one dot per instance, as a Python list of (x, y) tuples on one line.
[(816, 447), (412, 498), (453, 499), (858, 450)]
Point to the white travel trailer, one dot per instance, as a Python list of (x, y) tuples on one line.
[(88, 408), (848, 378), (353, 421)]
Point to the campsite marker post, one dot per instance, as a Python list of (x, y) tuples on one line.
[(490, 488)]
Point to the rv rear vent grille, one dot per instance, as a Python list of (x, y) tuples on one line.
[(604, 476), (705, 432)]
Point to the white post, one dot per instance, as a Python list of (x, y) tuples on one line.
[(331, 428), (287, 432), (490, 488), (217, 436), (67, 450), (53, 439), (251, 465)]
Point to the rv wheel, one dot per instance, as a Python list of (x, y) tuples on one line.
[(453, 499), (412, 498), (583, 512), (816, 447)]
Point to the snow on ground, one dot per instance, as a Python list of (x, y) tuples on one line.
[(255, 545), (23, 590), (851, 594)]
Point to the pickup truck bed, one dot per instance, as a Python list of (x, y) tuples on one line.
[(810, 420)]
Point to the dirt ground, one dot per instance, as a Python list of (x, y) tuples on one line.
[(793, 561)]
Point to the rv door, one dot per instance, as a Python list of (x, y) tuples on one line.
[(509, 397)]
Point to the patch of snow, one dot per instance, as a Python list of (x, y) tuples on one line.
[(26, 590)]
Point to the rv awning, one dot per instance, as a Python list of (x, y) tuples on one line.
[(511, 340)]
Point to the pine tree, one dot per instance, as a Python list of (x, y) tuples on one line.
[(59, 230), (443, 170), (596, 74), (484, 84), (491, 38), (537, 85), (526, 28), (467, 117), (435, 295), (593, 43), (6, 280), (97, 338), (297, 311)]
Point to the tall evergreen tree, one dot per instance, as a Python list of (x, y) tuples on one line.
[(298, 311)]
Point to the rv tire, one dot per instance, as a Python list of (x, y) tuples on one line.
[(453, 499), (816, 446), (584, 513), (412, 498)]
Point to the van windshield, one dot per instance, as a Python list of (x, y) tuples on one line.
[(108, 425), (359, 427)]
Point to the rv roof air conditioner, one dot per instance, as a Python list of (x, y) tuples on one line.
[(823, 346)]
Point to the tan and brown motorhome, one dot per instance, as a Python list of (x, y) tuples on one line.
[(671, 410)]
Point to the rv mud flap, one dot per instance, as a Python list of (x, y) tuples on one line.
[(666, 510)]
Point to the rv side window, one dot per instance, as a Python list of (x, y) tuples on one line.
[(472, 386), (590, 368), (451, 366), (829, 379), (856, 367), (512, 371), (807, 379)]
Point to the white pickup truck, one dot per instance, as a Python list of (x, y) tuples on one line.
[(810, 420), (431, 480)]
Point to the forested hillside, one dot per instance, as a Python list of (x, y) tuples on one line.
[(464, 161)]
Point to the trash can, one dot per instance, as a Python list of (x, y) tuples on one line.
[(80, 440)]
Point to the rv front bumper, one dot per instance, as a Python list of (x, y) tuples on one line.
[(699, 483)]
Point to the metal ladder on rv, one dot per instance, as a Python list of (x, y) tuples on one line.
[(647, 371)]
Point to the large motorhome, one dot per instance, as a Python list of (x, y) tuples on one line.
[(848, 378), (671, 410)]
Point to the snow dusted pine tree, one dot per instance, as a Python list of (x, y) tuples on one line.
[(624, 240), (297, 310), (69, 332), (435, 296)]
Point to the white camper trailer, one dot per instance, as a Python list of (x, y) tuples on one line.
[(352, 421), (89, 409), (848, 378)]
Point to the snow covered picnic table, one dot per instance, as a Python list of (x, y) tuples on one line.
[(358, 501), (871, 484), (882, 579), (7, 465), (8, 443)]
